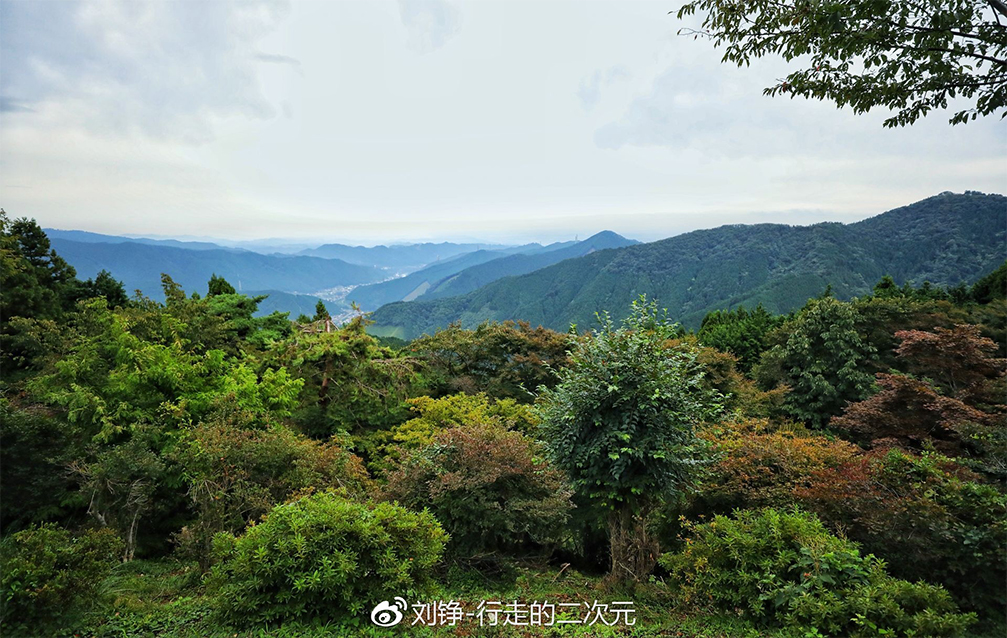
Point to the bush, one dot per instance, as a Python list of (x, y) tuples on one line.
[(758, 465), (504, 360), (489, 487), (784, 569), (321, 555), (48, 571), (432, 416), (927, 515), (236, 474)]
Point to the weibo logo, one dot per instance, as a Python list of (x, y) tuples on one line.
[(387, 614)]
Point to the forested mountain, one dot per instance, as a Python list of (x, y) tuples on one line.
[(139, 266), (946, 239), (477, 276), (470, 271)]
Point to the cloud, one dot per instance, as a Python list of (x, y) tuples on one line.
[(277, 59), (429, 23), (721, 112), (7, 105), (589, 91), (163, 69)]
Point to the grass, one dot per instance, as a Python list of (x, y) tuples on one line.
[(166, 598)]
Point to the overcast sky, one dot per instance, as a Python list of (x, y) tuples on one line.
[(383, 121)]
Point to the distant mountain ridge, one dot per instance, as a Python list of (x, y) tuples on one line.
[(405, 257), (86, 237), (139, 266), (946, 239), (472, 270), (477, 276)]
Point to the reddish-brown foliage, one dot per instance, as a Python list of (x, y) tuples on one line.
[(757, 466), (960, 360), (909, 412)]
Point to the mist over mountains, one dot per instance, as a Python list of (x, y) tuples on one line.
[(416, 288)]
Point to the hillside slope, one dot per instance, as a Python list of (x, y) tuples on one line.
[(411, 286), (478, 276), (946, 239), (139, 266), (467, 272)]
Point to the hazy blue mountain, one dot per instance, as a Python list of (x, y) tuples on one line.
[(295, 304), (373, 296), (139, 266), (946, 239), (480, 275), (481, 265), (98, 238), (401, 258)]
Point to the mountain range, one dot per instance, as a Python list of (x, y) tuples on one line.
[(946, 239), (139, 267), (403, 258), (472, 270)]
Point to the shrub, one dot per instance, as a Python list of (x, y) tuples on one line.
[(784, 569), (324, 554), (236, 474), (48, 571), (489, 487), (432, 416), (760, 466), (927, 515), (504, 360)]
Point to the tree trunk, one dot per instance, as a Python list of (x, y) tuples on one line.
[(634, 553), (131, 536)]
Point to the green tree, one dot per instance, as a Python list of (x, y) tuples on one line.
[(741, 332), (218, 286), (34, 281), (992, 286), (909, 57), (504, 360), (35, 450), (621, 424), (823, 360), (350, 382), (129, 382), (321, 312)]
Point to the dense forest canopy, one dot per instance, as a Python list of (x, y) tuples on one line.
[(837, 470)]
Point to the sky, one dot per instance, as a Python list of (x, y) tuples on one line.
[(376, 122)]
